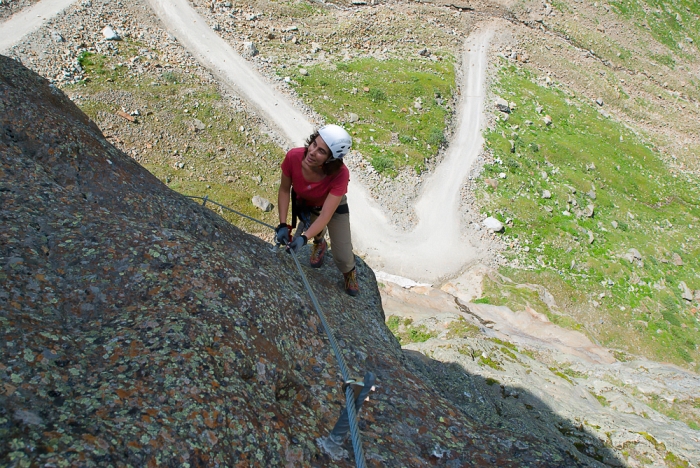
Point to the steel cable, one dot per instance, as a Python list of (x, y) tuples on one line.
[(349, 393)]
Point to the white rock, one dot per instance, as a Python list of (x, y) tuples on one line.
[(590, 211), (502, 175), (493, 224), (547, 120), (502, 105), (110, 34), (249, 49), (546, 194), (687, 294), (198, 125), (262, 203), (304, 72), (56, 36)]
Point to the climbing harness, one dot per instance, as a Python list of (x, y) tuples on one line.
[(355, 392)]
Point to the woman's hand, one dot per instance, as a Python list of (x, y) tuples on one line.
[(297, 243), (282, 234)]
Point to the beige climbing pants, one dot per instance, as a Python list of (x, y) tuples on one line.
[(338, 229)]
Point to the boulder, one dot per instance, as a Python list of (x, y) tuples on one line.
[(590, 211), (547, 120), (262, 203), (631, 255), (492, 224), (110, 34), (546, 194), (502, 105), (249, 49), (676, 259), (686, 292), (599, 101), (56, 36), (198, 125)]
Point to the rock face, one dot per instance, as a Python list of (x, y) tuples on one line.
[(140, 328)]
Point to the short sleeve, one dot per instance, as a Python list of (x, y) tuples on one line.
[(287, 165), (340, 183)]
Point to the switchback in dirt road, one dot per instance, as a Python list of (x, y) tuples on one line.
[(433, 250)]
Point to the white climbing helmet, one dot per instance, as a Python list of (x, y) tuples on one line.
[(337, 139)]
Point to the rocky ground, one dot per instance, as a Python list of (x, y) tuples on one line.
[(10, 7), (496, 363)]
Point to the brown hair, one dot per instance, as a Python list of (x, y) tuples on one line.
[(330, 167)]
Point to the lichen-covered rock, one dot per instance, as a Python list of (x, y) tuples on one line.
[(140, 328)]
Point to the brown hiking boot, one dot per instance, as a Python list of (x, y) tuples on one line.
[(317, 252), (351, 286)]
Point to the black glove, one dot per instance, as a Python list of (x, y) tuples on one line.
[(282, 234), (297, 243)]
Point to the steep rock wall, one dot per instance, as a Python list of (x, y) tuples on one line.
[(140, 328)]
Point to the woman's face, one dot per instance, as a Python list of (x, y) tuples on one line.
[(318, 152)]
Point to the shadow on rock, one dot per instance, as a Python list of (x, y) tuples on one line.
[(514, 410)]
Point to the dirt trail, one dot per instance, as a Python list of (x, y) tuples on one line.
[(29, 20), (436, 248), (193, 32)]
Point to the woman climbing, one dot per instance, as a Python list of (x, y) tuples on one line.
[(315, 179)]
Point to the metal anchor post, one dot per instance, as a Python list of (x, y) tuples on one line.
[(361, 390)]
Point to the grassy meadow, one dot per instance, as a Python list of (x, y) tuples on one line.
[(401, 107), (187, 134), (597, 218)]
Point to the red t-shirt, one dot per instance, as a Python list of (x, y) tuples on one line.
[(314, 193)]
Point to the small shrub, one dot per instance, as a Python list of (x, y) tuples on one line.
[(461, 329), (436, 137), (382, 163), (482, 300), (377, 95), (393, 324), (487, 361), (169, 76)]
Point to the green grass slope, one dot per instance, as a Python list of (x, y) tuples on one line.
[(187, 134), (582, 192)]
